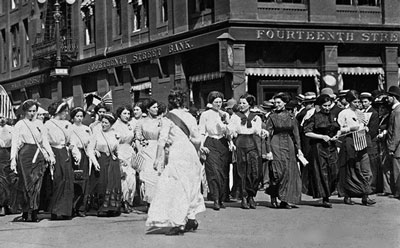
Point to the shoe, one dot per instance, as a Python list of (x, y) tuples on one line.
[(191, 225), (348, 201), (383, 194), (34, 216), (24, 216), (177, 230), (367, 201), (66, 217), (326, 204), (252, 203), (274, 202), (244, 203), (53, 217), (222, 205), (2, 211), (285, 205), (216, 206), (80, 214)]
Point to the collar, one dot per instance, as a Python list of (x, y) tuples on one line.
[(395, 105), (367, 109)]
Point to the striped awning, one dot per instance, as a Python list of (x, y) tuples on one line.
[(282, 72), (361, 70), (86, 3), (141, 86), (206, 76)]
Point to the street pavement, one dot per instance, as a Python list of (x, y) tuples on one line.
[(306, 226)]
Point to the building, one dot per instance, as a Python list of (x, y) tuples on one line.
[(138, 48)]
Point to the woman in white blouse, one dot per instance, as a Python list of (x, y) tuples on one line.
[(213, 128), (5, 145), (59, 136), (80, 136), (30, 150), (105, 181)]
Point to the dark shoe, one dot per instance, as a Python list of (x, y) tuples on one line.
[(66, 217), (80, 214), (274, 202), (383, 194), (34, 216), (191, 225), (252, 203), (326, 204), (244, 204), (368, 202), (222, 205), (216, 206), (2, 211), (285, 205), (53, 217), (178, 230), (348, 201), (24, 216)]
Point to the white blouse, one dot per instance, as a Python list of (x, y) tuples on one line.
[(80, 135), (59, 132), (102, 142), (236, 128), (348, 119), (211, 124), (6, 136), (125, 132)]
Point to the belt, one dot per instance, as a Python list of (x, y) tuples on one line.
[(58, 146), (215, 136)]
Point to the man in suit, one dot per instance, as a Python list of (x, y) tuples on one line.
[(393, 137), (373, 127)]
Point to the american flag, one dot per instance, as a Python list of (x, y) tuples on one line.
[(107, 98), (360, 140), (6, 108)]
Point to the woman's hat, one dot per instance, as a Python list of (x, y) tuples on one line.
[(329, 92), (394, 91)]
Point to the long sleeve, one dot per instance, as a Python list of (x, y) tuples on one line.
[(16, 141), (270, 128), (46, 144), (393, 138), (91, 148), (296, 134), (373, 125), (164, 132)]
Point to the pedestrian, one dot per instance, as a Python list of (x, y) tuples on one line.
[(5, 171), (99, 110), (81, 135), (354, 165), (213, 128), (30, 153), (283, 146), (59, 135), (320, 175), (105, 180), (393, 138), (177, 198), (126, 153), (244, 126)]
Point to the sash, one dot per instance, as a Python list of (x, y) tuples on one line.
[(177, 121)]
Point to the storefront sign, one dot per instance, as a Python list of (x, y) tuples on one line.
[(27, 82), (313, 35)]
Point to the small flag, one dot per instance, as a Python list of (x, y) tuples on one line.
[(6, 108), (360, 140), (107, 98)]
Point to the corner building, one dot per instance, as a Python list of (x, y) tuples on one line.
[(141, 48)]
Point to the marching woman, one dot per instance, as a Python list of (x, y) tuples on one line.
[(215, 146), (105, 181), (282, 146), (147, 133), (137, 114), (320, 176), (244, 125), (177, 197), (30, 150), (5, 146), (354, 167), (59, 136), (125, 133), (80, 136), (99, 110)]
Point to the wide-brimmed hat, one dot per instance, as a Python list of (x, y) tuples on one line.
[(394, 91), (309, 97), (329, 92), (230, 103), (300, 97)]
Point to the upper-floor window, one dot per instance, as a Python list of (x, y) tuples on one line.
[(1, 7), (14, 4), (163, 11), (15, 46), (202, 5), (27, 44), (117, 18), (282, 1), (359, 2), (3, 51), (88, 18)]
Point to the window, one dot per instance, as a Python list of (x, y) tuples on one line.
[(88, 18), (27, 42), (282, 1), (1, 7), (15, 50), (359, 2), (202, 5), (117, 18), (14, 4), (3, 51), (164, 11), (140, 12)]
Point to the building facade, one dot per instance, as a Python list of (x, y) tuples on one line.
[(141, 48)]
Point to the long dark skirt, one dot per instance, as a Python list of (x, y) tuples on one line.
[(320, 175), (216, 167), (105, 186), (248, 163), (4, 177), (285, 180), (63, 188), (81, 187), (30, 176), (354, 171)]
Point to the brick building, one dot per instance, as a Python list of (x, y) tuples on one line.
[(138, 48)]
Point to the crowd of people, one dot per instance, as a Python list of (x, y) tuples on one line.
[(169, 157)]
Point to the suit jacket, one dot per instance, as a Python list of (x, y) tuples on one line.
[(393, 134), (373, 124)]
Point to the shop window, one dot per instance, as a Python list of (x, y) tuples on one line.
[(15, 46), (163, 11), (27, 42), (14, 4), (359, 2), (3, 51), (203, 5), (88, 18), (281, 1), (117, 18)]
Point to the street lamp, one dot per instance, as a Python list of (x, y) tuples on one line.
[(58, 71)]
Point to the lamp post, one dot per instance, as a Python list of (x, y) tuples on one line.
[(58, 70)]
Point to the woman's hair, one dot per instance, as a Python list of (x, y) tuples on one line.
[(351, 96), (322, 99), (122, 108), (251, 100), (147, 103), (109, 116), (162, 108), (57, 107), (140, 105), (176, 98), (283, 96), (75, 111), (100, 106), (28, 104), (214, 95)]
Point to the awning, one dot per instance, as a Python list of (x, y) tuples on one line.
[(86, 3), (361, 70), (141, 86), (282, 72), (206, 76)]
